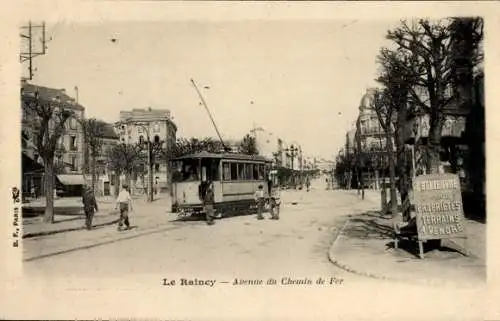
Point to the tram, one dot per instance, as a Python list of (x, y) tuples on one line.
[(235, 178)]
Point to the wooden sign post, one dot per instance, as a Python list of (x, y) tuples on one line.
[(438, 205)]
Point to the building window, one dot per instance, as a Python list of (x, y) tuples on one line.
[(123, 139), (72, 123), (72, 143), (141, 139), (156, 127), (73, 163), (157, 139), (139, 129)]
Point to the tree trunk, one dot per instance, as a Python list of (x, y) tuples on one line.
[(117, 184), (49, 191), (392, 173), (151, 189), (93, 171), (434, 144), (404, 177)]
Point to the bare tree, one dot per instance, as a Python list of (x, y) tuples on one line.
[(431, 49), (385, 111), (395, 76), (93, 135), (48, 126)]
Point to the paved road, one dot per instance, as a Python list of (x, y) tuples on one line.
[(296, 246)]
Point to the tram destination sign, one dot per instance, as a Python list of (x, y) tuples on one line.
[(438, 205)]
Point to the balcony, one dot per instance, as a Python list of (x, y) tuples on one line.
[(418, 127)]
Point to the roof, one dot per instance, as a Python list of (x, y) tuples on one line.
[(47, 93), (71, 179), (235, 156)]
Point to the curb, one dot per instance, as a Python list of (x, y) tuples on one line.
[(347, 268), (45, 233)]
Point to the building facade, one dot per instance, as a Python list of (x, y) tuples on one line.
[(370, 144), (69, 153), (139, 125)]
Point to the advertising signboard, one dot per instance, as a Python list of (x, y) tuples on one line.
[(438, 205)]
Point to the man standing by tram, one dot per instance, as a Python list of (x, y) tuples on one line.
[(274, 199), (208, 203), (260, 202)]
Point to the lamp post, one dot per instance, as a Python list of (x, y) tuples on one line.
[(150, 165), (292, 152)]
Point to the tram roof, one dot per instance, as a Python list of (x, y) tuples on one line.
[(235, 156)]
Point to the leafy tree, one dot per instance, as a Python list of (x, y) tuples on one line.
[(185, 146), (48, 126), (248, 145), (125, 159), (157, 152), (93, 135)]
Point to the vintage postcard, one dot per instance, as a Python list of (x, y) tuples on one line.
[(249, 160)]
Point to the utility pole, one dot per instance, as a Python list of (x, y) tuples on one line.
[(28, 33), (292, 152), (150, 164)]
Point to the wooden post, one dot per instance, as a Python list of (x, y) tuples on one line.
[(421, 249)]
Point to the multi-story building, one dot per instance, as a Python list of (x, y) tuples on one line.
[(69, 151), (139, 125), (370, 143)]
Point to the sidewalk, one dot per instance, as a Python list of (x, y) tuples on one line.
[(365, 247), (146, 218), (69, 215)]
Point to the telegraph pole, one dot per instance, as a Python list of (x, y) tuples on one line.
[(27, 34)]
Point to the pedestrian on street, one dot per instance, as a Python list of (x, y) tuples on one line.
[(260, 201), (308, 183), (208, 203), (89, 205), (275, 201), (124, 201)]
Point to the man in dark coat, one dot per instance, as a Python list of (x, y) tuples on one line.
[(208, 203), (89, 205)]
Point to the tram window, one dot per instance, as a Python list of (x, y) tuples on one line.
[(226, 171), (262, 171), (214, 170), (255, 173), (249, 171), (241, 171), (234, 171)]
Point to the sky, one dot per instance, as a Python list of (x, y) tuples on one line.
[(301, 80)]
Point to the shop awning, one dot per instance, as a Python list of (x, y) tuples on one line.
[(67, 179)]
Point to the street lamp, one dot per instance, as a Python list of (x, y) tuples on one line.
[(292, 152), (150, 165)]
